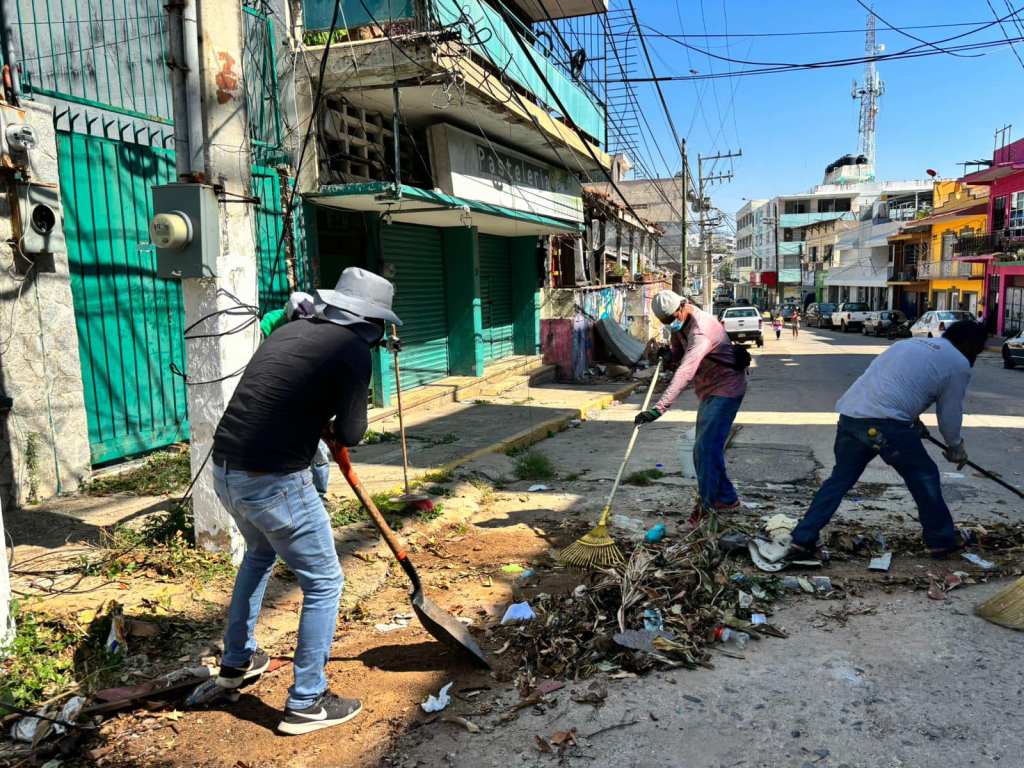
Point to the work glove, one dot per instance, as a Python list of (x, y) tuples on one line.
[(646, 417), (394, 344), (922, 430), (666, 356), (956, 454)]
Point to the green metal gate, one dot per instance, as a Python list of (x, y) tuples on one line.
[(129, 320), (413, 257), (496, 297)]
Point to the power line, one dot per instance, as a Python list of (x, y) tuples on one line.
[(1003, 30), (915, 38), (806, 33)]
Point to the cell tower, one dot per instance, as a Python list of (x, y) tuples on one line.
[(868, 93)]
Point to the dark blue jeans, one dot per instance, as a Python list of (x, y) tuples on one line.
[(900, 447), (715, 416)]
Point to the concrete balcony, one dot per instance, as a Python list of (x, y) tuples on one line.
[(793, 220), (791, 249), (455, 59), (932, 270)]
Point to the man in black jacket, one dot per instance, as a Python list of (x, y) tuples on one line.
[(311, 370)]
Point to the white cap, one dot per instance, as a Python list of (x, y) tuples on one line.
[(664, 305)]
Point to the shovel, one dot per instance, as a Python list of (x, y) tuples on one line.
[(441, 625)]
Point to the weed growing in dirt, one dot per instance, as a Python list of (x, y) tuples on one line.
[(162, 474), (41, 661), (534, 465), (438, 476), (372, 438), (162, 545), (643, 477), (571, 477)]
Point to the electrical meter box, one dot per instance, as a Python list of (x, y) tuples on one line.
[(41, 228), (185, 230)]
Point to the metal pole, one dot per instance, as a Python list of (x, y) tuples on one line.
[(193, 86), (682, 217), (394, 129)]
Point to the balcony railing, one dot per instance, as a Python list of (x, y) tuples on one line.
[(930, 270), (487, 33), (905, 274), (981, 244)]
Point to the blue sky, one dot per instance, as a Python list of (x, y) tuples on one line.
[(936, 111)]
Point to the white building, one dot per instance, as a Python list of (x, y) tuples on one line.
[(746, 235)]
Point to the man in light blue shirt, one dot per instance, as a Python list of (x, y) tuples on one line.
[(879, 415)]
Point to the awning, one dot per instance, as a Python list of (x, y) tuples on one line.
[(862, 275), (992, 174), (436, 209)]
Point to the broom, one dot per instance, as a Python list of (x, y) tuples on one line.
[(596, 547), (1006, 607)]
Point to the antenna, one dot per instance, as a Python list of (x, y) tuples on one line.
[(868, 93)]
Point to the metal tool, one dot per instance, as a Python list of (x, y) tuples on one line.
[(990, 475), (421, 502), (441, 625)]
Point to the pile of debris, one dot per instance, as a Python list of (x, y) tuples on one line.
[(665, 607)]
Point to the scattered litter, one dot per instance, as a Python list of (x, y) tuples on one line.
[(117, 642), (518, 612), (881, 563), (758, 592), (954, 580), (822, 583), (652, 620), (971, 557), (954, 475), (655, 534), (575, 423), (547, 687), (538, 487), (745, 599), (628, 523), (457, 720), (140, 628), (398, 621), (805, 585), (439, 702), (751, 505), (761, 562), (526, 575), (758, 618), (563, 739), (734, 541), (594, 694), (640, 639), (725, 635), (512, 568), (936, 591), (778, 524)]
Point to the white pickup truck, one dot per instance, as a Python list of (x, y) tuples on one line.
[(743, 324), (850, 316)]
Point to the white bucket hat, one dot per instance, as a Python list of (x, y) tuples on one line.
[(664, 305), (361, 293)]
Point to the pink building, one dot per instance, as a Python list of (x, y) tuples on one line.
[(1001, 249)]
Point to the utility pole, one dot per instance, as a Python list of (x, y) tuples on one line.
[(213, 149), (703, 205), (682, 218)]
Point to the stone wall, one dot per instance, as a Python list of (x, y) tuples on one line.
[(44, 448)]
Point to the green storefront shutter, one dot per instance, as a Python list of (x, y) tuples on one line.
[(413, 257), (496, 297)]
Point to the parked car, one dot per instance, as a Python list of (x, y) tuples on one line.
[(788, 311), (850, 315), (819, 315), (935, 323), (884, 322), (743, 324), (1013, 351)]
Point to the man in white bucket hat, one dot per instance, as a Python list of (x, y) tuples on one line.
[(313, 369)]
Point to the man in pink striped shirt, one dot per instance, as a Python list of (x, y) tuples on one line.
[(707, 359)]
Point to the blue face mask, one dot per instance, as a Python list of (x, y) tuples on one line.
[(677, 325)]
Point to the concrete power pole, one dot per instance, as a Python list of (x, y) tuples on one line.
[(703, 205), (682, 217), (213, 148)]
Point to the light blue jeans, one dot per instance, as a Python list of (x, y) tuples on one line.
[(282, 515), (715, 416)]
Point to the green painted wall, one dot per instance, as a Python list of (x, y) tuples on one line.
[(525, 295), (465, 317)]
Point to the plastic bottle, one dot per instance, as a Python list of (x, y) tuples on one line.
[(727, 635)]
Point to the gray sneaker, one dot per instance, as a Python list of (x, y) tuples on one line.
[(326, 711), (234, 677)]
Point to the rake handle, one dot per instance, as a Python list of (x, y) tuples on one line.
[(990, 475), (401, 417), (629, 447)]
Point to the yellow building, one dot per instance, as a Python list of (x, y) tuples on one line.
[(959, 210)]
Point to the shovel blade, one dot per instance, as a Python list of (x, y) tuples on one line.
[(447, 629)]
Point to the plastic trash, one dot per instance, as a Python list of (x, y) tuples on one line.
[(791, 583), (652, 620), (628, 523), (778, 524), (758, 618), (745, 599), (822, 583), (439, 702), (398, 622), (538, 487), (117, 640), (726, 635), (27, 728), (881, 563), (655, 533), (518, 612), (979, 561), (526, 575), (512, 568)]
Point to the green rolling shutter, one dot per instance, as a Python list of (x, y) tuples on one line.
[(414, 256), (496, 297)]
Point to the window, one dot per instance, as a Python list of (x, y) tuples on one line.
[(797, 206), (948, 238), (740, 312), (827, 257), (1017, 214), (999, 214), (814, 253)]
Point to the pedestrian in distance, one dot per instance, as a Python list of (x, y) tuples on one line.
[(777, 325), (795, 323), (717, 369), (879, 415), (309, 371)]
